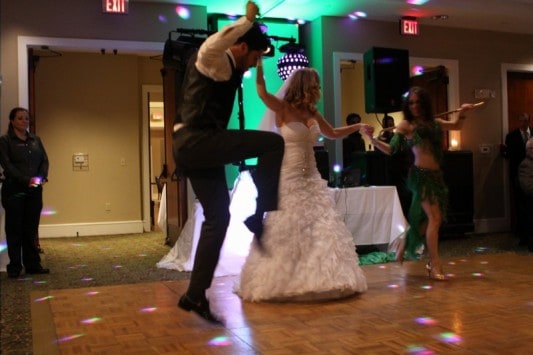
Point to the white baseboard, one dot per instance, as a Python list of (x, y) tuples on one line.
[(493, 225), (88, 229)]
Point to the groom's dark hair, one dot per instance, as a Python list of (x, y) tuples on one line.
[(255, 38)]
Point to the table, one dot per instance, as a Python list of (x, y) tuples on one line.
[(373, 216)]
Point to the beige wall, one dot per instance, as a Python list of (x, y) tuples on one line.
[(90, 103)]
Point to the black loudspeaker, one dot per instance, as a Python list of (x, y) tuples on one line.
[(386, 79)]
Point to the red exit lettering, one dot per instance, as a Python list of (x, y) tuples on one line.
[(115, 6), (409, 27)]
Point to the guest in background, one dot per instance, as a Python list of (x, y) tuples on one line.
[(25, 164), (388, 129), (515, 152), (353, 155), (421, 132), (525, 178), (353, 143)]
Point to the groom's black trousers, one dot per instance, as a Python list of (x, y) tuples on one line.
[(201, 156)]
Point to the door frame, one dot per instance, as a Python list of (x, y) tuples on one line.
[(508, 67), (94, 45), (145, 141)]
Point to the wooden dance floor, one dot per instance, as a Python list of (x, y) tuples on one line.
[(486, 308)]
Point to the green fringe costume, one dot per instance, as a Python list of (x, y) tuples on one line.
[(425, 184)]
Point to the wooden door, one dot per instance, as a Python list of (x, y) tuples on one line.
[(175, 58), (435, 81), (519, 99), (32, 63), (176, 187), (519, 96)]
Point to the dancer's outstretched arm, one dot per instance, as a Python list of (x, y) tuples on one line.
[(457, 120), (271, 101)]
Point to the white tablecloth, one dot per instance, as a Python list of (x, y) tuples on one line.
[(373, 215)]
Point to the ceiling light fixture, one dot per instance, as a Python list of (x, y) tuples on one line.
[(293, 59)]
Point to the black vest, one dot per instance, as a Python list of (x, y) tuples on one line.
[(206, 103)]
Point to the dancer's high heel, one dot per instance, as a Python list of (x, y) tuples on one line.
[(435, 273)]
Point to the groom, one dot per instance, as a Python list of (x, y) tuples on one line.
[(202, 145)]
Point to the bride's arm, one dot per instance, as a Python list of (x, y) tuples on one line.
[(271, 101), (331, 132)]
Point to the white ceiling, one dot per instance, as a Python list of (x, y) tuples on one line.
[(494, 15)]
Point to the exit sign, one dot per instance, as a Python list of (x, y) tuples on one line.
[(115, 6), (409, 26)]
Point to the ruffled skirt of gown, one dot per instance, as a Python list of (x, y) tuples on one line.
[(309, 252)]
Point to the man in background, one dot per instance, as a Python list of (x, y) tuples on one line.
[(353, 143), (515, 152), (353, 155), (525, 177)]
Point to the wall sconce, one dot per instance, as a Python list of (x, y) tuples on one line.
[(157, 116), (455, 140)]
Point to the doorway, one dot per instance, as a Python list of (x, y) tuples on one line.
[(513, 75), (86, 45)]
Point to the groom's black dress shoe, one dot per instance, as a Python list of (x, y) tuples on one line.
[(255, 225), (37, 270), (201, 308)]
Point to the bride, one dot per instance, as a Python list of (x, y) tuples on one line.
[(307, 251)]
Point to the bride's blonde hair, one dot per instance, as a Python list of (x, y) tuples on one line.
[(303, 91)]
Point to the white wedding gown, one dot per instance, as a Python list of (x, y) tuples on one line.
[(236, 243), (309, 252)]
